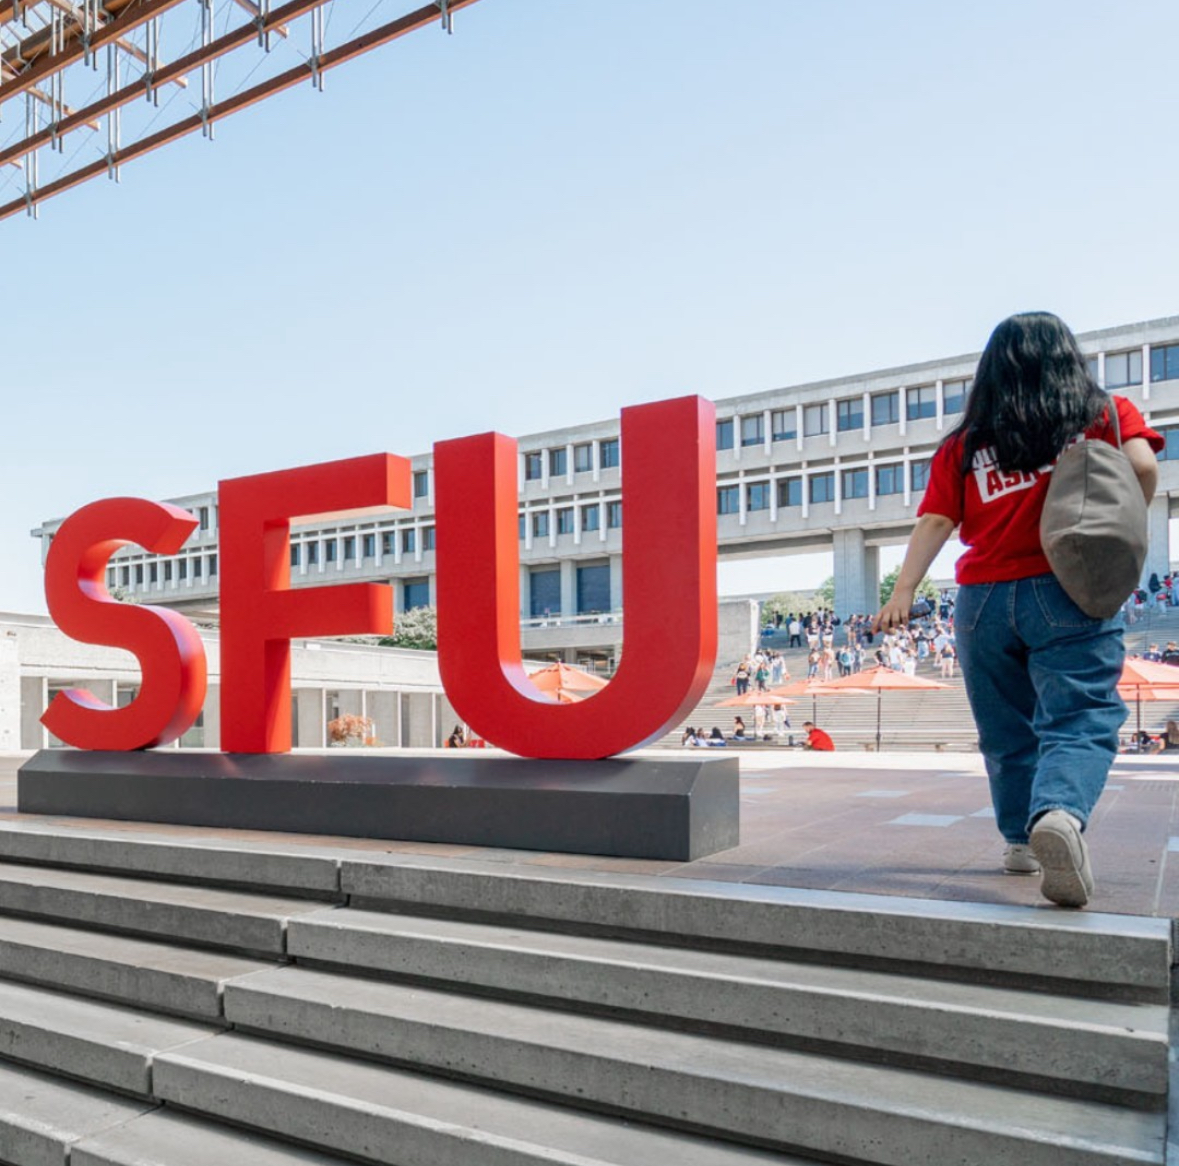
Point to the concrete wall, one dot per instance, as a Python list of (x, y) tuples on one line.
[(737, 629)]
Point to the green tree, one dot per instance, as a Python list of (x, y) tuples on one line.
[(783, 604), (825, 593), (416, 628), (925, 588)]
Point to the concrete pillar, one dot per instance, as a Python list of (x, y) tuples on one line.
[(1158, 553), (351, 702), (417, 719), (615, 582), (568, 588), (737, 630), (525, 592), (212, 711), (382, 707), (33, 703), (10, 694), (857, 574), (312, 721)]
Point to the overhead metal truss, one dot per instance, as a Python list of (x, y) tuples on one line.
[(86, 85)]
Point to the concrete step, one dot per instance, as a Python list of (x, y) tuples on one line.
[(788, 1102), (183, 981), (231, 919), (162, 1138), (42, 1118), (1109, 955), (1085, 1046), (207, 860), (106, 1044), (391, 1116)]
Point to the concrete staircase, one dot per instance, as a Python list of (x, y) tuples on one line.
[(167, 1003)]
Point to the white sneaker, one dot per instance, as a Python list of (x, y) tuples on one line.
[(1058, 844), (1018, 859)]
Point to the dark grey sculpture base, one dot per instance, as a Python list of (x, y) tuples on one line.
[(676, 808)]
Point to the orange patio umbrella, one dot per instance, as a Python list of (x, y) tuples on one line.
[(566, 684), (1147, 680), (879, 680), (751, 699), (815, 689)]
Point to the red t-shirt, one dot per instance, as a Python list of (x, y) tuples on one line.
[(820, 741), (999, 513)]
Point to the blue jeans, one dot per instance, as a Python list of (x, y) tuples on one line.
[(1042, 679)]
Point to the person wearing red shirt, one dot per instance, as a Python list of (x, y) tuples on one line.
[(817, 739), (1041, 675)]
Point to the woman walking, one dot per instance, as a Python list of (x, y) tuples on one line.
[(1040, 674)]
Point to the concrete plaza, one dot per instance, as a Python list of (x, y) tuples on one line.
[(916, 825)]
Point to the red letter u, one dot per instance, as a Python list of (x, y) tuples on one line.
[(668, 582)]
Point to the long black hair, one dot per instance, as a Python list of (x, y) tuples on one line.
[(1032, 394)]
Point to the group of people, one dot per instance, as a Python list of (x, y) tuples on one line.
[(762, 670), (815, 738)]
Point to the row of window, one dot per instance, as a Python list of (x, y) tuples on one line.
[(890, 479), (163, 570), (884, 409), (591, 519), (583, 459), (308, 552), (591, 590)]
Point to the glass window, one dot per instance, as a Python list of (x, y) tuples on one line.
[(312, 554), (203, 514), (1123, 368), (540, 524), (427, 538), (890, 479), (591, 517), (1170, 452), (886, 408), (855, 483), (196, 567), (139, 573), (125, 574), (565, 520), (608, 453), (1164, 363), (728, 499), (212, 565), (370, 546), (849, 414), (522, 525), (757, 496), (558, 462), (822, 487), (784, 424), (153, 572), (921, 402), (416, 593), (593, 588), (409, 540), (182, 569), (331, 550), (533, 466), (954, 395), (544, 592), (167, 570), (387, 540), (919, 474), (814, 420), (421, 483), (613, 515), (583, 458), (1091, 366), (724, 434), (296, 552), (790, 492), (349, 548), (753, 429)]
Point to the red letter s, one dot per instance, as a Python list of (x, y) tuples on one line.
[(170, 653)]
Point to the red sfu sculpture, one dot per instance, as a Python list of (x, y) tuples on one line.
[(669, 583)]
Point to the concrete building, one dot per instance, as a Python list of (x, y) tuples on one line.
[(833, 465)]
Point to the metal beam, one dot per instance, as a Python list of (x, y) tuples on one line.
[(222, 109)]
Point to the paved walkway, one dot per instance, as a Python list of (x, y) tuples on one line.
[(892, 824)]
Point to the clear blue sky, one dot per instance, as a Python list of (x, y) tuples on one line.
[(569, 207)]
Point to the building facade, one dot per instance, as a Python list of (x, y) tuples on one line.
[(834, 465)]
